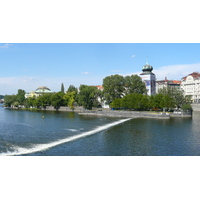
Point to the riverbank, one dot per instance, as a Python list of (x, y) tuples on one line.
[(114, 113), (134, 114)]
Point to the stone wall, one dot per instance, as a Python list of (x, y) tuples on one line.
[(196, 107), (64, 108), (126, 114)]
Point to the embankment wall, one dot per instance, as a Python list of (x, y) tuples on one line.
[(196, 107), (127, 114)]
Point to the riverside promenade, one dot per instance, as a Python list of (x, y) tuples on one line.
[(121, 113), (126, 114)]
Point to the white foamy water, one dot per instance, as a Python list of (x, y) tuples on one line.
[(72, 130), (43, 147)]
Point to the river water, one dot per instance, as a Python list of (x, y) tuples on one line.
[(47, 133)]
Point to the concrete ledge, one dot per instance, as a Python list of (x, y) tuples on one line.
[(126, 114)]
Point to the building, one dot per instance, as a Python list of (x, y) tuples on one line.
[(102, 103), (39, 91), (149, 78), (191, 86), (167, 83)]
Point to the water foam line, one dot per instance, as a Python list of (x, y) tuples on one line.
[(43, 147)]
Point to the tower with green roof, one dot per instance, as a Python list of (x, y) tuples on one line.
[(149, 78)]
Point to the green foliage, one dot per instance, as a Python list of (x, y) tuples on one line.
[(113, 87), (9, 100), (72, 89), (20, 98), (116, 103), (88, 96), (57, 100), (30, 102), (135, 102), (62, 88), (43, 100), (187, 106), (70, 98), (116, 86), (134, 84), (175, 96), (15, 100)]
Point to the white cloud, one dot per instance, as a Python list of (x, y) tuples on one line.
[(5, 46), (85, 73), (173, 72), (133, 56), (176, 71)]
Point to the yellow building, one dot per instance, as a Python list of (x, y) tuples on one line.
[(39, 91)]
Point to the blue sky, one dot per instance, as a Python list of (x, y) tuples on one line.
[(30, 65)]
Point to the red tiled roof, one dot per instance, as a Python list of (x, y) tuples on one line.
[(193, 74), (100, 87)]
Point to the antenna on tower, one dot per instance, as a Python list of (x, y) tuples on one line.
[(147, 60)]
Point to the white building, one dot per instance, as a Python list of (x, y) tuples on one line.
[(149, 78), (191, 86), (160, 84)]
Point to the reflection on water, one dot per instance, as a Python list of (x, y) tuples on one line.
[(136, 137)]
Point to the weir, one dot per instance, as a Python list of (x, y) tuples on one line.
[(43, 147)]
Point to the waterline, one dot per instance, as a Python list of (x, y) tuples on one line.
[(44, 147)]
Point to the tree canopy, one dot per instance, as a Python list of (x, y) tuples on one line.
[(88, 96)]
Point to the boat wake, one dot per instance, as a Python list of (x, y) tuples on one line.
[(43, 147)]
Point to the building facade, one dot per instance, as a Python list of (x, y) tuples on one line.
[(149, 78), (167, 83), (191, 86), (39, 91)]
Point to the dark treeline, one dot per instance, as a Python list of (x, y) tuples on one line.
[(127, 93)]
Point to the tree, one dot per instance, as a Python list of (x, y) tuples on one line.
[(30, 102), (135, 101), (44, 100), (20, 98), (88, 96), (62, 88), (175, 95), (116, 103), (57, 100), (113, 87), (70, 98), (9, 100), (134, 84), (72, 89)]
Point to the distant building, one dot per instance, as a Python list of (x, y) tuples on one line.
[(103, 103), (39, 91), (191, 86), (165, 83), (149, 78)]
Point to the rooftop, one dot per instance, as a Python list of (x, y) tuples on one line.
[(193, 74)]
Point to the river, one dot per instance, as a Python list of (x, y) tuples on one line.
[(50, 133)]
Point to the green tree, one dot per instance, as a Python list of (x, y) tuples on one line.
[(135, 101), (57, 100), (70, 98), (175, 95), (88, 96), (134, 84), (72, 88), (20, 97), (113, 87), (30, 102), (44, 100), (9, 100), (116, 103), (62, 88)]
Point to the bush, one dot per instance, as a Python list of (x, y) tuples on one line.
[(187, 107)]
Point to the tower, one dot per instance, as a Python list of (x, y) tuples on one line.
[(149, 78)]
